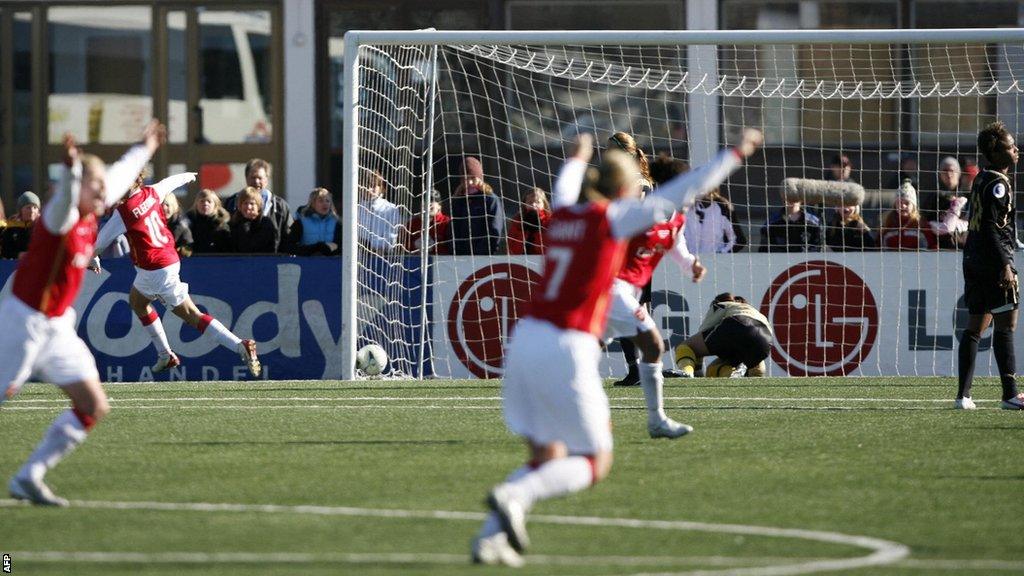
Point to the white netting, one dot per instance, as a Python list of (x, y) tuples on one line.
[(839, 304)]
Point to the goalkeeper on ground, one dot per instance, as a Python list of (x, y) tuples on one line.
[(735, 332)]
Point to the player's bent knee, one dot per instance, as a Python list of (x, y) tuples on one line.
[(758, 370)]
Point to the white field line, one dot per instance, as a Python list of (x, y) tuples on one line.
[(206, 558), (486, 399), (883, 552), (376, 558), (449, 407)]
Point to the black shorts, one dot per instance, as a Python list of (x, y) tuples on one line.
[(739, 340), (982, 291)]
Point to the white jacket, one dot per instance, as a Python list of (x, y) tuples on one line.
[(708, 229)]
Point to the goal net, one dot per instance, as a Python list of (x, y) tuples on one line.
[(845, 231)]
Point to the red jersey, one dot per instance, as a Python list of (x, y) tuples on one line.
[(646, 251), (50, 273), (581, 259), (151, 240)]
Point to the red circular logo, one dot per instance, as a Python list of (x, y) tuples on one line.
[(824, 318), (483, 312)]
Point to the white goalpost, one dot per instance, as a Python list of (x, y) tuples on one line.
[(865, 281)]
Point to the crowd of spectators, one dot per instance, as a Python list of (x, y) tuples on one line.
[(472, 220)]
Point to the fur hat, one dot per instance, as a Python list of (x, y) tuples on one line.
[(28, 198)]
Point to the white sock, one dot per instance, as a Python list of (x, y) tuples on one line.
[(223, 335), (652, 382), (63, 436), (554, 478), (158, 336), (491, 524)]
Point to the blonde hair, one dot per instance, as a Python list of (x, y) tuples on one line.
[(542, 195), (627, 144), (207, 193), (317, 193), (617, 171), (90, 162), (249, 193), (172, 201)]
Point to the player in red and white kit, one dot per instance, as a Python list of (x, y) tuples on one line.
[(157, 269), (39, 336), (628, 318), (552, 392)]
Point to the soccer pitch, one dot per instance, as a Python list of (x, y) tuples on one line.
[(781, 476)]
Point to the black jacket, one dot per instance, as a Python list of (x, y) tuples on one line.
[(280, 213), (210, 234), (478, 224), (254, 236)]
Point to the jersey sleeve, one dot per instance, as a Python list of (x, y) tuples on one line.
[(123, 173), (110, 231), (569, 183), (680, 254), (685, 189), (61, 211), (631, 217), (172, 183)]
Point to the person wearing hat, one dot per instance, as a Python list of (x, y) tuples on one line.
[(477, 215), (18, 232), (901, 227), (932, 203)]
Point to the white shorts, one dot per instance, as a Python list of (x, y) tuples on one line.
[(626, 317), (164, 285), (33, 344), (552, 391)]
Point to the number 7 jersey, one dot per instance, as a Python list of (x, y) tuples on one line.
[(151, 240), (582, 257)]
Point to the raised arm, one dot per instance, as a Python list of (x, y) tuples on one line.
[(629, 218), (61, 211), (110, 231), (172, 183), (569, 182), (122, 174), (681, 255)]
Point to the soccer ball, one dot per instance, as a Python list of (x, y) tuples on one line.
[(371, 359)]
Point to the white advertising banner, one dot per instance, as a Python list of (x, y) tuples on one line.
[(866, 314)]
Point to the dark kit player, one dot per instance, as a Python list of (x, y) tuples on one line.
[(990, 279)]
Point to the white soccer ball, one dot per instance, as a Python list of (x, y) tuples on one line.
[(371, 359)]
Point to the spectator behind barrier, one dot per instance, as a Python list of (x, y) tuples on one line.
[(793, 230), (902, 227), (709, 227), (317, 228), (378, 219), (17, 232), (846, 231), (439, 232), (970, 172), (478, 217), (932, 203), (257, 175), (908, 168), (178, 225), (251, 231), (840, 169), (209, 223), (526, 231)]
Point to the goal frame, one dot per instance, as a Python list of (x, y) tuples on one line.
[(691, 38)]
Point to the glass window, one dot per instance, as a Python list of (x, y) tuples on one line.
[(596, 15), (177, 87), (235, 67), (956, 120), (99, 73), (830, 122), (22, 76), (226, 179)]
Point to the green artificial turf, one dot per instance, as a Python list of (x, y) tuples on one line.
[(885, 458)]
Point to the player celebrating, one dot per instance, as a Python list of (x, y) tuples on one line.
[(157, 268), (629, 318), (39, 323), (552, 393), (990, 280), (735, 332)]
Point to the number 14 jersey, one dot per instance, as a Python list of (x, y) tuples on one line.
[(151, 241)]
